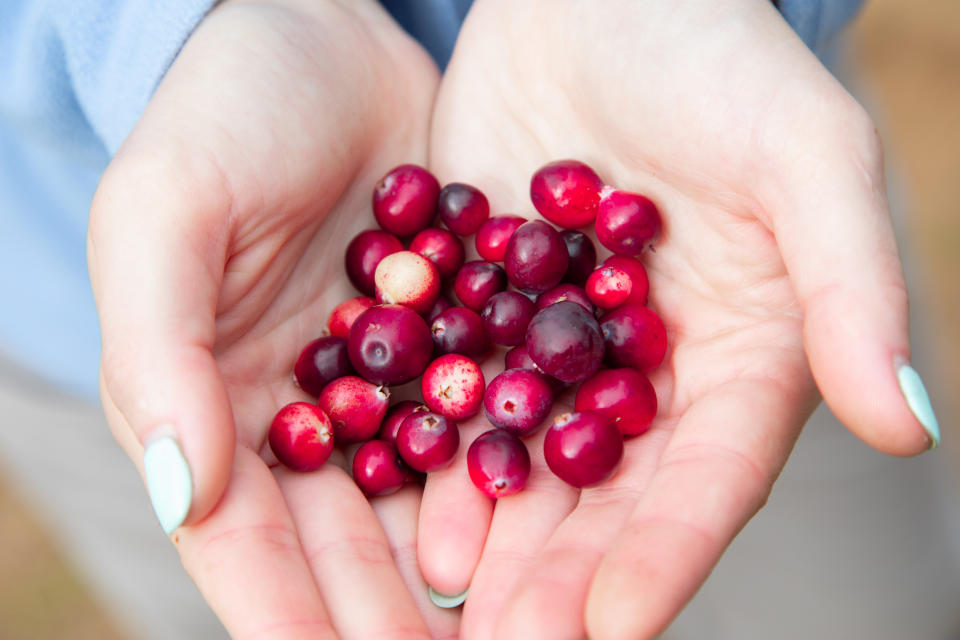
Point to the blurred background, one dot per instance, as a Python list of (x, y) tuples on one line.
[(906, 58)]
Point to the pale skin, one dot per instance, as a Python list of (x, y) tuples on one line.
[(215, 248)]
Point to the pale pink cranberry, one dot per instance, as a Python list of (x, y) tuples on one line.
[(608, 287), (565, 341), (519, 358), (442, 248), (493, 236), (321, 362), (498, 463), (452, 386), (518, 400), (566, 193), (460, 330), (477, 281), (395, 416), (378, 469), (356, 408), (623, 395), (389, 344), (562, 292), (427, 441), (463, 208), (635, 337), (582, 255), (343, 315), (639, 282), (405, 200), (409, 279), (626, 222), (506, 316), (536, 258), (364, 253), (583, 448), (301, 436), (442, 304)]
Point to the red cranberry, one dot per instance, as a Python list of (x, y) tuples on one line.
[(427, 441), (566, 193), (608, 287), (492, 238), (442, 304), (389, 344), (506, 316), (405, 200), (536, 258), (409, 279), (635, 337), (442, 248), (639, 283), (498, 463), (477, 281), (356, 408), (364, 253), (395, 416), (343, 315), (626, 222), (518, 400), (562, 292), (463, 208), (519, 358), (460, 330), (623, 395), (301, 436), (321, 362), (565, 341), (378, 469), (453, 386), (583, 448), (582, 255)]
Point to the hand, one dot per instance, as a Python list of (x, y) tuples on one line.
[(777, 273), (216, 252)]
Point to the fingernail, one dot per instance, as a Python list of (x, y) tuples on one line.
[(168, 482), (919, 402), (447, 602)]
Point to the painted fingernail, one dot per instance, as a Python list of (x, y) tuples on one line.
[(447, 602), (168, 482), (919, 402)]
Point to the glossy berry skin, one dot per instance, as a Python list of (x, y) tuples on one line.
[(639, 282), (442, 248), (405, 200), (409, 279), (321, 362), (519, 358), (609, 287), (395, 417), (562, 292), (477, 281), (566, 193), (626, 222), (343, 315), (301, 436), (565, 341), (506, 316), (463, 208), (389, 344), (518, 401), (498, 463), (363, 255), (583, 448), (582, 256), (460, 330), (493, 236), (623, 395), (378, 469), (356, 408), (635, 337), (536, 258), (453, 386), (427, 441), (442, 304)]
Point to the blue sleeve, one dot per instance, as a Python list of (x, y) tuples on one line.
[(818, 21)]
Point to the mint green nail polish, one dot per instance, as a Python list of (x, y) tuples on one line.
[(919, 402), (447, 602), (169, 482)]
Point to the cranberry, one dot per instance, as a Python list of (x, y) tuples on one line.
[(536, 258), (626, 222), (321, 362), (608, 287), (498, 463), (460, 330), (518, 400), (442, 304), (623, 395), (409, 279), (301, 436), (565, 341), (395, 416), (364, 253), (389, 344), (639, 283), (583, 448), (566, 193), (477, 281), (356, 408), (453, 386), (582, 254), (463, 208), (378, 469), (405, 200), (506, 316), (635, 337), (492, 238), (442, 248), (343, 315), (427, 441), (562, 292), (519, 358)]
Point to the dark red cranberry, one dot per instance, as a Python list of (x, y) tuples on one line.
[(609, 287), (343, 315), (442, 248), (453, 386), (536, 257), (519, 358), (562, 292), (321, 362), (442, 304), (635, 337), (626, 222), (565, 341), (623, 395), (378, 469), (566, 193), (301, 436), (463, 208), (492, 238), (356, 408), (390, 344), (639, 283), (518, 400), (583, 448), (477, 281), (405, 200), (364, 253), (395, 416), (460, 330), (498, 463), (582, 255), (506, 316), (427, 441)]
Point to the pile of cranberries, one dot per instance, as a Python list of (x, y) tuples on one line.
[(534, 289)]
